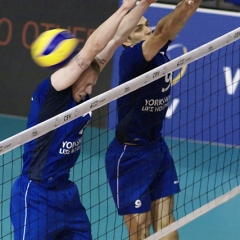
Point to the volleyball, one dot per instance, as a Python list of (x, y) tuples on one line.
[(53, 47)]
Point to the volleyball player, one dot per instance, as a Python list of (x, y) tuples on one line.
[(45, 204), (139, 166)]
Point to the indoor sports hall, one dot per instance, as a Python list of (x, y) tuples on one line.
[(201, 128)]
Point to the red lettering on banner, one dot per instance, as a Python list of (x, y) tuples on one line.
[(32, 29), (24, 33), (76, 30), (48, 26), (9, 35), (68, 28)]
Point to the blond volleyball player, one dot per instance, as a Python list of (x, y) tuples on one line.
[(45, 204), (139, 166)]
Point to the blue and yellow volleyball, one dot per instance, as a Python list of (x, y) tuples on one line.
[(53, 47)]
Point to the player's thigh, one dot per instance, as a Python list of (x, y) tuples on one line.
[(129, 176), (17, 208), (27, 211), (166, 181), (78, 225), (163, 205)]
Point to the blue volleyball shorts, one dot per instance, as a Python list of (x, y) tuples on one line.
[(40, 213), (138, 175)]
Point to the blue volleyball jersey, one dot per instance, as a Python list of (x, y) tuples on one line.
[(51, 156), (141, 113)]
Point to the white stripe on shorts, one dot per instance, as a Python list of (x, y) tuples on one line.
[(119, 160), (25, 218)]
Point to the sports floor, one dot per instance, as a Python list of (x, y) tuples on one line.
[(222, 223)]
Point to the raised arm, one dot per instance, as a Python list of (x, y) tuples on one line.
[(67, 75), (126, 26), (169, 26)]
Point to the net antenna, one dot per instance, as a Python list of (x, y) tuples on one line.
[(105, 98)]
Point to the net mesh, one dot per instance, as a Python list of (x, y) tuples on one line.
[(201, 129)]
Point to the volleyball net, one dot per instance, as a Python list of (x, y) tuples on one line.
[(201, 129)]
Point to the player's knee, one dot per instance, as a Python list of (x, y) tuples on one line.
[(168, 219), (139, 233), (138, 225), (163, 222)]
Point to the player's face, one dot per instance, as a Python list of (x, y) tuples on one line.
[(84, 84), (141, 32)]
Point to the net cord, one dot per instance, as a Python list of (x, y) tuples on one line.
[(197, 213), (117, 92)]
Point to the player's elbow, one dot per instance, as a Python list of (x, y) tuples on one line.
[(163, 35), (96, 48)]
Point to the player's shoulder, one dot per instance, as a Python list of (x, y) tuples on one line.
[(43, 87), (45, 83), (132, 53)]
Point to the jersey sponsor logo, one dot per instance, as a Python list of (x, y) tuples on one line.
[(138, 203), (155, 105), (70, 147)]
